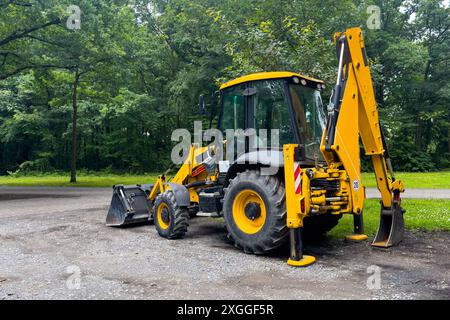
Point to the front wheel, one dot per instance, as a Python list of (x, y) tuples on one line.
[(171, 221), (255, 212)]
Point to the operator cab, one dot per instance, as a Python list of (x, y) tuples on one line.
[(286, 101)]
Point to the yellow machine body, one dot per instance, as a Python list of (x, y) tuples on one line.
[(192, 170)]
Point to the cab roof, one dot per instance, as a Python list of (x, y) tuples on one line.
[(266, 76)]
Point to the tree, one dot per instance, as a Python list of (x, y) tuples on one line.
[(107, 96), (22, 25), (84, 51)]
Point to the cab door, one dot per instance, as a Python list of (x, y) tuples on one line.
[(233, 119), (270, 114)]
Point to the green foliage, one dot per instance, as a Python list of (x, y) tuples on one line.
[(407, 158), (142, 64)]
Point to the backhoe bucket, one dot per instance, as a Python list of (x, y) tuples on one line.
[(391, 229), (129, 205)]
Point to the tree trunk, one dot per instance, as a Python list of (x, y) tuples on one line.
[(448, 135), (418, 134), (73, 159), (419, 131)]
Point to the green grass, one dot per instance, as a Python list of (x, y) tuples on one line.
[(84, 180), (433, 180), (427, 215)]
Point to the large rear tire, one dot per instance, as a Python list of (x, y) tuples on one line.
[(171, 221), (255, 212)]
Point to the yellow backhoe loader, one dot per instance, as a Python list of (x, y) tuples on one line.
[(317, 177)]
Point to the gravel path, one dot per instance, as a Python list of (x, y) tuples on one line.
[(54, 245)]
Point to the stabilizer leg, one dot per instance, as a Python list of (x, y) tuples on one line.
[(297, 258), (358, 228)]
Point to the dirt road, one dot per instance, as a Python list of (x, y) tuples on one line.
[(54, 245)]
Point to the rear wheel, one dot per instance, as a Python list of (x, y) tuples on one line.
[(171, 221), (255, 212)]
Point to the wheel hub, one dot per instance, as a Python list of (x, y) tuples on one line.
[(252, 210), (249, 211), (165, 216)]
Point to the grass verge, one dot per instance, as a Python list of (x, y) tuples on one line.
[(425, 215), (432, 180), (83, 180)]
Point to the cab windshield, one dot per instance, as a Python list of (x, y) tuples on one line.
[(309, 117)]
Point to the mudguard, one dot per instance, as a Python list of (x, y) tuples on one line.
[(181, 194), (267, 158)]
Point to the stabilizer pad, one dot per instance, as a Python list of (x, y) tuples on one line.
[(356, 237), (305, 261)]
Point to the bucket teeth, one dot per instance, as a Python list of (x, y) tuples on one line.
[(391, 229)]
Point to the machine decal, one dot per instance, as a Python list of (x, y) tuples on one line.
[(356, 185)]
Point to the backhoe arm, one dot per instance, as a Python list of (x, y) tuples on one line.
[(353, 113)]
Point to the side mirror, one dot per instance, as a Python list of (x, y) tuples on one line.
[(201, 104), (216, 98)]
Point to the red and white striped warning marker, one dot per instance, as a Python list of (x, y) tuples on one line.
[(297, 178)]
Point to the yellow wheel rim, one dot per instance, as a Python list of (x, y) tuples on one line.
[(250, 201), (160, 213)]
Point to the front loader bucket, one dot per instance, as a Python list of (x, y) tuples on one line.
[(391, 229), (129, 205)]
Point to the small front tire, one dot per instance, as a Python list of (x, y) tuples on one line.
[(171, 221)]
